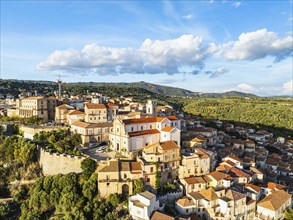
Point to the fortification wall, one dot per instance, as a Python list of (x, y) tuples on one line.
[(54, 163), (30, 131)]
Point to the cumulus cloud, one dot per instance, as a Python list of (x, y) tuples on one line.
[(187, 17), (243, 87), (168, 56), (288, 87), (237, 4), (153, 56), (258, 44)]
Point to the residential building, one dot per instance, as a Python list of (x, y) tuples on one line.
[(90, 132), (74, 116), (61, 113), (197, 163), (95, 113), (162, 157), (142, 205), (274, 205)]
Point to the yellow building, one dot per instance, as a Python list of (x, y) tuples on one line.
[(61, 113), (197, 163), (36, 106), (115, 176), (95, 113), (164, 156)]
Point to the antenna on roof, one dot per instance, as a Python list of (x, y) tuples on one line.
[(59, 82)]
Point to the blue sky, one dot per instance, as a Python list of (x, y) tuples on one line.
[(203, 46)]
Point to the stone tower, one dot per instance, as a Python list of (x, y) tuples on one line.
[(151, 107)]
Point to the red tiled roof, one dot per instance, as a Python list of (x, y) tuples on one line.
[(167, 129), (95, 106), (144, 132)]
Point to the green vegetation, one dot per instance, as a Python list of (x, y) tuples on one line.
[(18, 161), (88, 166), (68, 197), (61, 141), (34, 120), (138, 186), (272, 114), (288, 214)]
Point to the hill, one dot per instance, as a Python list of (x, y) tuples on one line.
[(14, 87), (174, 91)]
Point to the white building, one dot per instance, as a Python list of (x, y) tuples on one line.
[(142, 205), (131, 135)]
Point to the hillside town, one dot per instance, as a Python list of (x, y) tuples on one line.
[(191, 167)]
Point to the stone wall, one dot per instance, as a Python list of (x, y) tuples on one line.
[(30, 131), (170, 197), (107, 188), (55, 163)]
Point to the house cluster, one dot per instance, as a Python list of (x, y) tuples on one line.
[(223, 171)]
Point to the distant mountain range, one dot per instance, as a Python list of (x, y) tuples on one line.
[(174, 91), (155, 88)]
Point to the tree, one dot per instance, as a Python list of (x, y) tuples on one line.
[(4, 210), (88, 166), (113, 199), (138, 185), (158, 179), (288, 214), (89, 188)]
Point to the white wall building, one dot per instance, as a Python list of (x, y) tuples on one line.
[(142, 205)]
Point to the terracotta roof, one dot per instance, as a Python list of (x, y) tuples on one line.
[(239, 173), (185, 202), (64, 106), (196, 195), (190, 180), (144, 132), (75, 112), (147, 194), (254, 187), (234, 195), (223, 167), (168, 145), (234, 157), (209, 194), (275, 200), (138, 204), (135, 166), (160, 216), (167, 129), (199, 138), (80, 124), (218, 175), (272, 185), (95, 106), (52, 98), (113, 167), (147, 120)]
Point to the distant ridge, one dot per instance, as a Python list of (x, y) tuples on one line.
[(155, 88)]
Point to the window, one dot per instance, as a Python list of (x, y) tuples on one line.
[(173, 156), (151, 127), (152, 169), (186, 210), (166, 157), (42, 112), (141, 128), (117, 129), (125, 176), (131, 128)]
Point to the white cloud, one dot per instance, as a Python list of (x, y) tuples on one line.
[(187, 17), (153, 56), (288, 87), (211, 1), (168, 56), (243, 87), (237, 4), (256, 45)]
